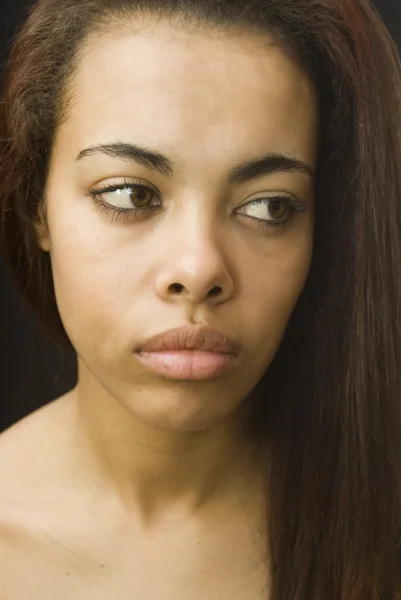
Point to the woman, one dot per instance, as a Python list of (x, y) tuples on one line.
[(203, 199)]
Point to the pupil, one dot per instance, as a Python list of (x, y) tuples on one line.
[(140, 199), (276, 207)]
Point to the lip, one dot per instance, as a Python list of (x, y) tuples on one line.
[(189, 353)]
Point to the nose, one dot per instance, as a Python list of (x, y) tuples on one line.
[(194, 270)]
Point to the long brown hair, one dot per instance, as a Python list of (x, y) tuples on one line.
[(330, 403)]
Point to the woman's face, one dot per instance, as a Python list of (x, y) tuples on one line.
[(204, 249)]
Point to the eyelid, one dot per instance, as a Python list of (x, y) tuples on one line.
[(124, 183), (270, 195)]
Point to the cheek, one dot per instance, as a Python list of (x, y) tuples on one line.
[(272, 292), (84, 294), (88, 273)]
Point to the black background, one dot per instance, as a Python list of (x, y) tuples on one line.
[(34, 370)]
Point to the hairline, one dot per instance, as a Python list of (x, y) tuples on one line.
[(147, 20)]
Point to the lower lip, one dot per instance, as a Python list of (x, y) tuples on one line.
[(187, 364)]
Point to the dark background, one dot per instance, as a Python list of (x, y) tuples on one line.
[(33, 370)]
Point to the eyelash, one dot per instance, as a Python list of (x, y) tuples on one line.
[(116, 213), (125, 214)]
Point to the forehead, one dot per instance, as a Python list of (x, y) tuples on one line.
[(191, 89)]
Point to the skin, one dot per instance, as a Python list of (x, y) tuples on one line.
[(164, 460)]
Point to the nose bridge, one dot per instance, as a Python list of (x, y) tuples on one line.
[(198, 235), (198, 227)]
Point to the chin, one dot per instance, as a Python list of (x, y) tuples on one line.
[(182, 411)]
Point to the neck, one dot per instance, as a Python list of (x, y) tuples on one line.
[(153, 470)]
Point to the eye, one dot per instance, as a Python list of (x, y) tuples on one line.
[(272, 212), (126, 196), (125, 200)]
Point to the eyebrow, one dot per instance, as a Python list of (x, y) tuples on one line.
[(240, 173)]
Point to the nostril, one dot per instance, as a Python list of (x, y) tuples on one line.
[(215, 291), (177, 288)]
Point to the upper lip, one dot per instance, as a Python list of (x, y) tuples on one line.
[(191, 338)]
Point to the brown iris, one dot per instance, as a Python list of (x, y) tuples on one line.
[(275, 206), (141, 197)]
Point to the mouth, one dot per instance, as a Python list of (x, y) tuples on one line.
[(189, 353)]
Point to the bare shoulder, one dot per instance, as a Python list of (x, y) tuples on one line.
[(28, 454), (33, 459), (25, 446)]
